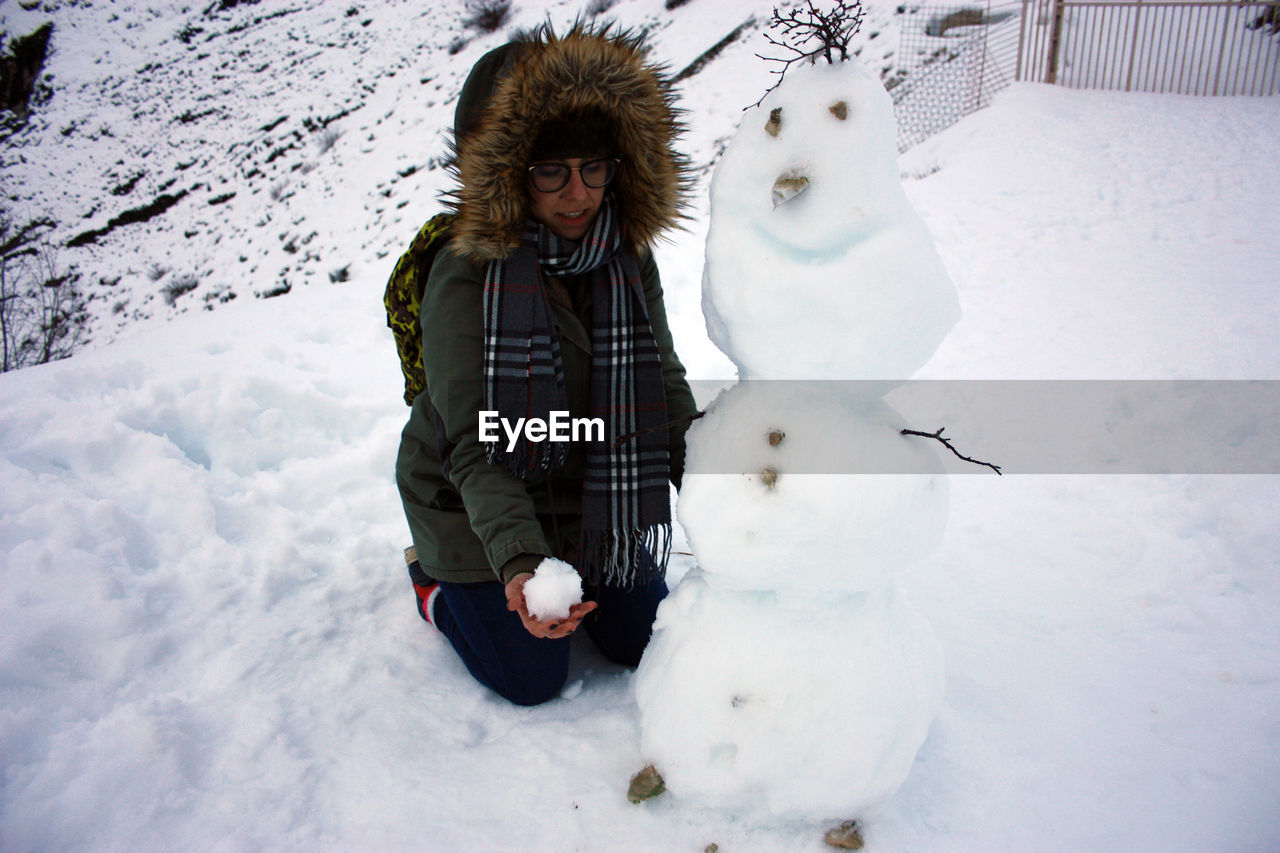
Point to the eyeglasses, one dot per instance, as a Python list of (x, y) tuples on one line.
[(552, 177)]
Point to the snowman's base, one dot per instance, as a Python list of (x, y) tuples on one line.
[(734, 685), (648, 784)]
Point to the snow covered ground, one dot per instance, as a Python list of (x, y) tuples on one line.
[(208, 638)]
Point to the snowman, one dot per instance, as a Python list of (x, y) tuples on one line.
[(787, 672)]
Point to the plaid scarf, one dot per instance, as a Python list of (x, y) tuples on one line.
[(626, 510)]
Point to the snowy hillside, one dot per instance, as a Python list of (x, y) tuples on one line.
[(191, 154), (208, 640)]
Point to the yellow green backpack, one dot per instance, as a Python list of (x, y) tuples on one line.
[(403, 299)]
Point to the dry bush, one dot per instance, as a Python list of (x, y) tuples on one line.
[(487, 15), (42, 312)]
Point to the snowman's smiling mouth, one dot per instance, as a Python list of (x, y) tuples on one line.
[(817, 249)]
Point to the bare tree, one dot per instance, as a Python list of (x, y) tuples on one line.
[(42, 313)]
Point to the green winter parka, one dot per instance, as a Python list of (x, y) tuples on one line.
[(472, 521), (467, 526)]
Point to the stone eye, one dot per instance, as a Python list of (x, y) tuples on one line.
[(774, 125)]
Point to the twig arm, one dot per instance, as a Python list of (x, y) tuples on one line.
[(617, 442), (947, 443)]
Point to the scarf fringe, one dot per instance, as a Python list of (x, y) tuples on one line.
[(528, 458), (624, 558)]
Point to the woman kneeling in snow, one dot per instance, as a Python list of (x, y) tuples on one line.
[(546, 301)]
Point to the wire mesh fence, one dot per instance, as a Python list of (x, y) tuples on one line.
[(951, 60)]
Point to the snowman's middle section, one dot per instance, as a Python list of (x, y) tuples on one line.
[(760, 515)]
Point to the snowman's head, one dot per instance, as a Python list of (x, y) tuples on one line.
[(816, 166), (817, 266)]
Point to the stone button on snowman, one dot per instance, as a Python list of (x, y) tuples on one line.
[(787, 674)]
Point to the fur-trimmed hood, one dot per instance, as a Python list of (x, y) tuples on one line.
[(550, 75)]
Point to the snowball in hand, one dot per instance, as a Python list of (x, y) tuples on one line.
[(554, 588)]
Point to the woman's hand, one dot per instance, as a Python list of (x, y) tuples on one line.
[(552, 629)]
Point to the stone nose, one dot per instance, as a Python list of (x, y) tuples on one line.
[(789, 185)]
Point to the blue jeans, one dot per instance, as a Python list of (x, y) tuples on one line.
[(502, 655)]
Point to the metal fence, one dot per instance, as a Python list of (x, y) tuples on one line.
[(951, 60), (1210, 47)]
